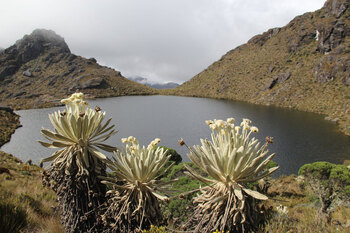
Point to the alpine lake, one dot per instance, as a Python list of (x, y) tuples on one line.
[(298, 137)]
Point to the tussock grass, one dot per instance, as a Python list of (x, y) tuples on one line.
[(23, 193)]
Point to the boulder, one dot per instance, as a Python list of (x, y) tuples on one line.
[(280, 78), (92, 60), (93, 83), (27, 73)]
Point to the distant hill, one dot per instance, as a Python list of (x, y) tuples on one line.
[(168, 85), (304, 65), (39, 69)]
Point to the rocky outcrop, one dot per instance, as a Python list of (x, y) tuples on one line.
[(280, 78), (336, 7), (261, 39), (331, 67)]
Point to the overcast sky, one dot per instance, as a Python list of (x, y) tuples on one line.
[(162, 40)]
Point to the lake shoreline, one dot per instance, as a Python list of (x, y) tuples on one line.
[(342, 125), (264, 125)]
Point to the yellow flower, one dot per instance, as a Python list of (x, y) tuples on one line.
[(254, 129), (220, 123), (157, 140), (131, 139), (213, 126), (209, 122), (79, 95), (124, 140), (230, 120), (65, 101)]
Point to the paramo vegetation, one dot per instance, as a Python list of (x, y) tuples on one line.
[(226, 188)]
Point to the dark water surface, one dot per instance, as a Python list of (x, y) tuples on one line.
[(299, 137)]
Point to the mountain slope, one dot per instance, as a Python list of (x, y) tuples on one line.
[(39, 69), (304, 65)]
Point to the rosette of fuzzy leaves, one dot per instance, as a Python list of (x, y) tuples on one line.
[(231, 159), (79, 133), (136, 189)]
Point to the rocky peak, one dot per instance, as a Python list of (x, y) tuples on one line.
[(28, 48), (42, 38)]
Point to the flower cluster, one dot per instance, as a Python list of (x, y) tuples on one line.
[(80, 133), (134, 147), (76, 98), (130, 140), (228, 125), (153, 144), (75, 104)]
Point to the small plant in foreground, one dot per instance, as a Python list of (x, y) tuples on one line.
[(77, 163), (231, 159), (136, 189)]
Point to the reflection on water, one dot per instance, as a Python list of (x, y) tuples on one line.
[(299, 137)]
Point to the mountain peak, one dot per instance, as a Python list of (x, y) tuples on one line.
[(40, 39)]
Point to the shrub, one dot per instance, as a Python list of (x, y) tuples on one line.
[(174, 156), (330, 182)]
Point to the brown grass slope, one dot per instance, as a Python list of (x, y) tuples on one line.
[(39, 69), (288, 66)]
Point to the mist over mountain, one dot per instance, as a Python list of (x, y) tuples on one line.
[(155, 85)]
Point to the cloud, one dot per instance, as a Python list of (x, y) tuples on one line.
[(163, 40)]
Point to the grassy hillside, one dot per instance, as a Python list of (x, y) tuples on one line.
[(304, 66)]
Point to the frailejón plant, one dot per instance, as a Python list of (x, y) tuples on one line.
[(136, 189), (230, 159), (73, 174)]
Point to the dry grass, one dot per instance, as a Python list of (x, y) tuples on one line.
[(303, 207), (23, 188)]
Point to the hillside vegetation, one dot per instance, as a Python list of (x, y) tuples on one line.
[(304, 65), (9, 122), (39, 69)]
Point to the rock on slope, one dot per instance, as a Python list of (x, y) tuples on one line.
[(304, 65), (39, 69)]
